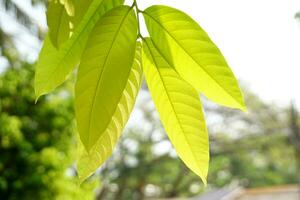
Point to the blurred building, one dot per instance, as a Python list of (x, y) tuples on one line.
[(284, 192)]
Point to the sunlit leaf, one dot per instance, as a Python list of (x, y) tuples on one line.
[(58, 23), (88, 163), (103, 72), (81, 6), (69, 6), (184, 44), (55, 65), (180, 110)]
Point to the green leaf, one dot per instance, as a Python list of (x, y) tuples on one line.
[(103, 72), (69, 6), (58, 23), (81, 6), (89, 162), (180, 110), (195, 57), (54, 65)]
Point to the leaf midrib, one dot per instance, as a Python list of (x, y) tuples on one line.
[(100, 75), (191, 56)]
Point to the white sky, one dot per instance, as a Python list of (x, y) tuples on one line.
[(259, 38)]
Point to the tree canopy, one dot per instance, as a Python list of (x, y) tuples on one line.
[(36, 141)]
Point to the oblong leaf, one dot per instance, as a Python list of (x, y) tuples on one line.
[(195, 57), (180, 110), (58, 23), (103, 72), (54, 65), (88, 162)]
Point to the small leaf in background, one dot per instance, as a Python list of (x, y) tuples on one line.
[(103, 73), (89, 162), (180, 110), (54, 65), (184, 44)]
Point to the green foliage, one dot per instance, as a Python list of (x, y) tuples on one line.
[(36, 141), (177, 48)]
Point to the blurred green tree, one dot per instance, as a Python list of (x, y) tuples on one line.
[(254, 149), (36, 141), (251, 150), (294, 135), (140, 167)]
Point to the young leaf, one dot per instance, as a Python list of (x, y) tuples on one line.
[(89, 162), (180, 110), (103, 72), (58, 23), (184, 44), (55, 65)]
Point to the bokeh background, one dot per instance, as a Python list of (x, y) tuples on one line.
[(252, 154)]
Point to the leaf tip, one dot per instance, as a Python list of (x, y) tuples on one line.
[(243, 107), (203, 177), (81, 179), (204, 182), (36, 100), (37, 95), (84, 172)]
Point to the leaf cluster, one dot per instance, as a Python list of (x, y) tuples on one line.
[(178, 60)]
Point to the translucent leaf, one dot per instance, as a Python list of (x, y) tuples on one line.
[(184, 44), (88, 163), (180, 110), (103, 72), (54, 65), (69, 6), (58, 23), (81, 6)]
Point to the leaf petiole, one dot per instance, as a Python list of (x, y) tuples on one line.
[(135, 5)]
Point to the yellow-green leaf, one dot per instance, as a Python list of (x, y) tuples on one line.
[(102, 150), (103, 72), (81, 6), (69, 6), (58, 23), (54, 65), (180, 110), (195, 57)]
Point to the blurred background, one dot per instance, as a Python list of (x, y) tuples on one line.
[(254, 155)]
